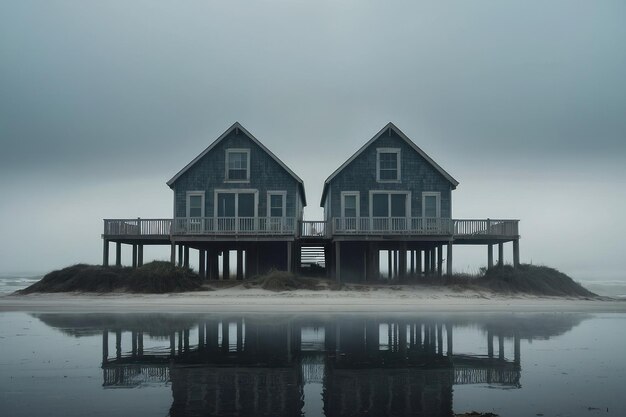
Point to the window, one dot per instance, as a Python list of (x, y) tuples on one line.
[(350, 203), (431, 206), (389, 204), (276, 203), (388, 165), (238, 165), (195, 204)]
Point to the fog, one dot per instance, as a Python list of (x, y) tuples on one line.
[(524, 103)]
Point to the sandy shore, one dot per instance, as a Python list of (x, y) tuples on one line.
[(367, 300)]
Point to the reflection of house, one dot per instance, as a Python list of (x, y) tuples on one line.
[(390, 199), (248, 366)]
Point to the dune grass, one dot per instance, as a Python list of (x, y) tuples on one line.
[(155, 277)]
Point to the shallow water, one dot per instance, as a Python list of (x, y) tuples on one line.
[(327, 365)]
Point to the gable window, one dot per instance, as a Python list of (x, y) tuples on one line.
[(387, 165), (238, 165)]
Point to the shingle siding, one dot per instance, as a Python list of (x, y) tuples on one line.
[(209, 174), (416, 175)]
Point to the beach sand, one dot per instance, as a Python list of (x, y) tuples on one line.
[(365, 299)]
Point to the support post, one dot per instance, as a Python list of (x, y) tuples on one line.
[(439, 261), (140, 255), (105, 345), (118, 254), (173, 254), (433, 261), (489, 256), (516, 253), (134, 256), (202, 263), (412, 262), (289, 257), (516, 348), (489, 344), (500, 347), (418, 263), (105, 252), (426, 262), (389, 265), (338, 261), (449, 338), (402, 261), (118, 344), (180, 255), (186, 253), (239, 264), (500, 255), (449, 260), (225, 264)]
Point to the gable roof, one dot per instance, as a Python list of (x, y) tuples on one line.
[(372, 140), (238, 126)]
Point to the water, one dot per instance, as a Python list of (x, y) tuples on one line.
[(14, 282), (328, 365)]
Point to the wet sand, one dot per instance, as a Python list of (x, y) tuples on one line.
[(363, 300)]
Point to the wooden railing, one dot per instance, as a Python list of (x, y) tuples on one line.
[(313, 229), (423, 226), (234, 226), (137, 227)]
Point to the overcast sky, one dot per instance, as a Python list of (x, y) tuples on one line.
[(524, 103)]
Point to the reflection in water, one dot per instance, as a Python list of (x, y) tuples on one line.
[(254, 366)]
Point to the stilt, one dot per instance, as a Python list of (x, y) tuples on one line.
[(516, 253), (118, 254), (140, 343), (338, 261), (226, 265), (118, 344), (396, 263), (186, 256), (289, 257), (489, 256), (173, 254), (426, 262), (440, 340), (202, 264), (449, 260), (140, 255), (225, 336), (172, 344), (412, 262), (239, 264), (418, 263), (449, 338), (501, 347), (433, 261), (134, 256), (439, 261), (500, 255), (402, 261), (389, 265), (133, 342), (516, 348), (180, 256), (105, 252), (489, 344)]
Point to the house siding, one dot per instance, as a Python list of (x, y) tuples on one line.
[(209, 173), (417, 175)]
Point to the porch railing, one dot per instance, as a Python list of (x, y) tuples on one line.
[(137, 227), (423, 226), (234, 226), (313, 229)]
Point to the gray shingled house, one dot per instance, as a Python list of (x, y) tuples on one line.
[(387, 214)]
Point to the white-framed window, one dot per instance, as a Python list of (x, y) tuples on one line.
[(195, 203), (388, 165), (390, 203), (350, 204), (276, 203), (431, 204), (236, 203), (237, 165)]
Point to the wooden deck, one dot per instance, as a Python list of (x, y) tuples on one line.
[(464, 230)]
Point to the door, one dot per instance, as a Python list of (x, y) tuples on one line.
[(349, 207), (389, 211), (236, 211)]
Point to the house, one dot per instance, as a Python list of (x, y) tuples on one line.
[(387, 214), (235, 196)]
